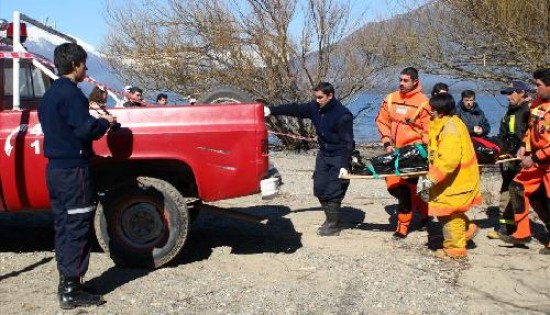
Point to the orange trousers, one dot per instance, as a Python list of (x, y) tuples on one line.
[(535, 189), (404, 189)]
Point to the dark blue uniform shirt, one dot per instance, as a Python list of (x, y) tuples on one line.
[(68, 127), (333, 123)]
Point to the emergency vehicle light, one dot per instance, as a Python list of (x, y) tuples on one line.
[(22, 32)]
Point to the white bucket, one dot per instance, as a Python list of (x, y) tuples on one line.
[(269, 188)]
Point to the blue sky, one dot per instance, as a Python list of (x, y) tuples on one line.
[(85, 19)]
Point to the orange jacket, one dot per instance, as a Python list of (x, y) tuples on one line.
[(404, 118), (537, 137)]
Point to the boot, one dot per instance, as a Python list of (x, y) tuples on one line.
[(86, 286), (331, 227), (454, 253), (520, 206), (72, 295), (522, 235), (403, 222), (545, 250)]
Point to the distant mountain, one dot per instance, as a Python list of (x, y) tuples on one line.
[(386, 79), (44, 43)]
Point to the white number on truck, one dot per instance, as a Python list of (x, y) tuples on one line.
[(36, 145)]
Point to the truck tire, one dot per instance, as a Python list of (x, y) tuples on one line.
[(142, 223), (225, 94)]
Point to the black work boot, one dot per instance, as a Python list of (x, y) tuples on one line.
[(510, 239), (72, 294), (331, 227)]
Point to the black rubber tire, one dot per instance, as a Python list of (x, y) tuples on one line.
[(142, 223), (225, 94)]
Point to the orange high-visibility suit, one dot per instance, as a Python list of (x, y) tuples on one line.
[(403, 119), (532, 185)]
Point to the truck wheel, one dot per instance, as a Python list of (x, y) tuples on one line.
[(225, 94), (142, 223)]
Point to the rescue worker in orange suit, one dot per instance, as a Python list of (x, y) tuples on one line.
[(404, 119), (453, 177), (532, 184)]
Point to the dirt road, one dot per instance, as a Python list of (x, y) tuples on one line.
[(283, 267)]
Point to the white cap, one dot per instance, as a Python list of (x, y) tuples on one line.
[(192, 100), (127, 88)]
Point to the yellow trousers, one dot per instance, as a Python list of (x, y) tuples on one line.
[(454, 233)]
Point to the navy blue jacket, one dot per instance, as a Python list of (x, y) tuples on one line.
[(333, 124), (473, 117), (68, 127)]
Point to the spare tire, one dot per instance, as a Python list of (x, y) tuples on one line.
[(225, 94)]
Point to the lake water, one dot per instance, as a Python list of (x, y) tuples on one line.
[(365, 129)]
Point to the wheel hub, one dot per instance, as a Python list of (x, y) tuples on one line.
[(142, 223)]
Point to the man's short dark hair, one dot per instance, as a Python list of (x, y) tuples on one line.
[(440, 87), (162, 96), (411, 72), (443, 103), (135, 89), (324, 87), (68, 56), (468, 93), (543, 75)]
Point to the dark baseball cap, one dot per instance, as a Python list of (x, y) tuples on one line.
[(516, 86)]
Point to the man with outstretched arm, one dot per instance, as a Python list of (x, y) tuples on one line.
[(334, 125)]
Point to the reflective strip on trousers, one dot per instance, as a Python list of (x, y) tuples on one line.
[(81, 210)]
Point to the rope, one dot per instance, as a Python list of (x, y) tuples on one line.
[(293, 136)]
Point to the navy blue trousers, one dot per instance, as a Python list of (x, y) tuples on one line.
[(326, 184), (73, 202)]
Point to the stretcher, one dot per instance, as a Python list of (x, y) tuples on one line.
[(417, 174), (507, 160), (402, 175)]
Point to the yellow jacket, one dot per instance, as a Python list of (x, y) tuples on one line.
[(452, 167)]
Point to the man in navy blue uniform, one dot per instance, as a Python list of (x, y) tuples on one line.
[(69, 130), (334, 125)]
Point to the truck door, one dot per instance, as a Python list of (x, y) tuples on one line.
[(22, 162)]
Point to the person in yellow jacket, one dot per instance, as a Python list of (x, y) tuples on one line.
[(453, 176)]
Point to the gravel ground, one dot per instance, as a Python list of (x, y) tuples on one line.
[(282, 267)]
